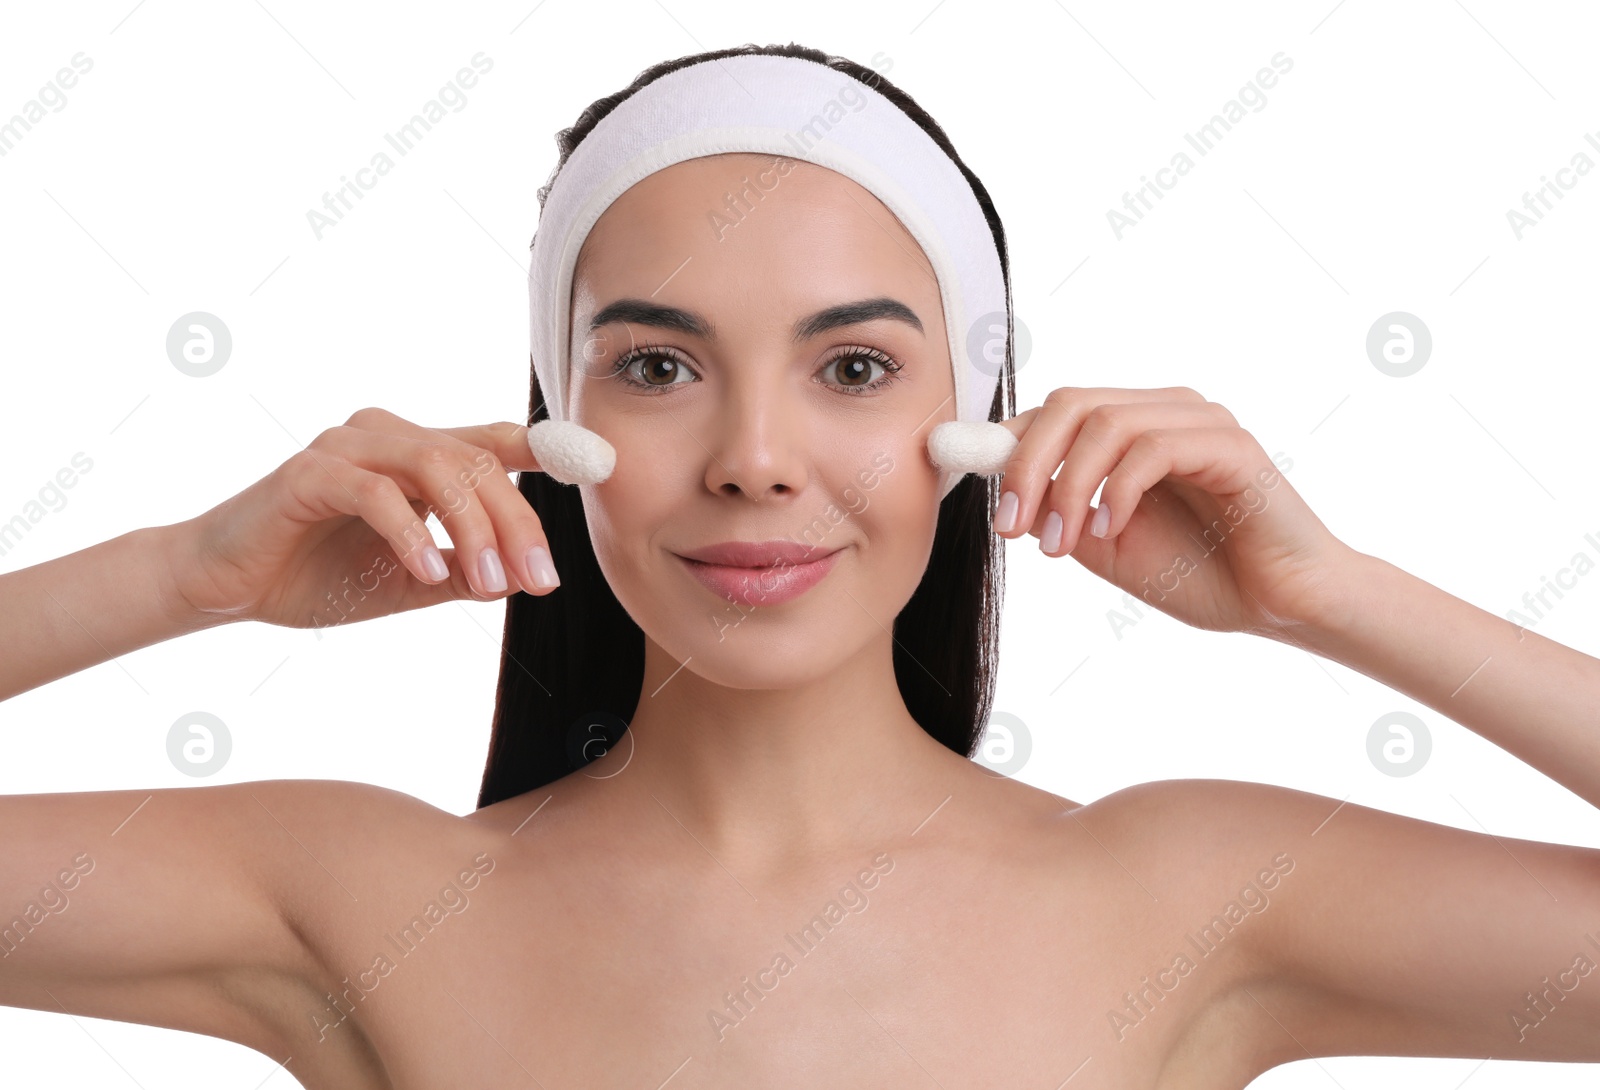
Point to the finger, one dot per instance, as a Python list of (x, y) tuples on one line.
[(325, 486), (1050, 433), (1018, 425), (524, 548), (506, 441), (1102, 440), (1215, 461), (489, 522), (1222, 461), (455, 588), (1095, 395)]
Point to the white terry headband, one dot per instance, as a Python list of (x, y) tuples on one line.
[(798, 109)]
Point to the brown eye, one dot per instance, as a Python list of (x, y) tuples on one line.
[(653, 369), (664, 368), (853, 370)]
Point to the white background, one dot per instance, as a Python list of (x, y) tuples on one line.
[(1377, 178)]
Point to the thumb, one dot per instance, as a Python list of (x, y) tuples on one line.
[(1019, 424), (566, 451), (505, 440)]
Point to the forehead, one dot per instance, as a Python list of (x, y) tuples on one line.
[(753, 226)]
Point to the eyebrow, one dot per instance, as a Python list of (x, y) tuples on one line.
[(644, 312)]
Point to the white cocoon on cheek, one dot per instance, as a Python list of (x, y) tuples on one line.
[(571, 453)]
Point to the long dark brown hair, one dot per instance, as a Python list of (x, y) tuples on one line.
[(572, 666)]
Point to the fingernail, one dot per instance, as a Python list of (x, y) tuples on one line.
[(434, 564), (1101, 522), (490, 571), (1051, 541), (1005, 519), (544, 572)]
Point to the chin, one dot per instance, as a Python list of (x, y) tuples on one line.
[(759, 652)]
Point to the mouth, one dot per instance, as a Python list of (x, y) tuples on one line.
[(766, 584)]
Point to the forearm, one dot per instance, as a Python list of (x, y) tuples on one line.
[(1531, 696), (78, 610)]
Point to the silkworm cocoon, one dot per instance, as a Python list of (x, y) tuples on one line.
[(571, 453), (980, 447)]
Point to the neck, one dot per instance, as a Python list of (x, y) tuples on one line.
[(762, 775)]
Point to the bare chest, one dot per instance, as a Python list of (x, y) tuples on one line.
[(895, 969)]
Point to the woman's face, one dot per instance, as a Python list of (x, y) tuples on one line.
[(759, 408)]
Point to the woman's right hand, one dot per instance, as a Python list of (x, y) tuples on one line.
[(337, 533)]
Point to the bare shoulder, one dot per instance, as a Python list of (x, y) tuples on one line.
[(1170, 815), (1193, 839), (341, 843), (1358, 898), (350, 818), (211, 909), (346, 861), (1194, 871), (332, 853)]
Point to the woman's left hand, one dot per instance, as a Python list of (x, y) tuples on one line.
[(1202, 525)]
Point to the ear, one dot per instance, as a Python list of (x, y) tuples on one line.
[(979, 447), (571, 453)]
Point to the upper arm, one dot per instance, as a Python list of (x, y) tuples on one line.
[(185, 908), (1392, 936)]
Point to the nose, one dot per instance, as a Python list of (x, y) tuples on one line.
[(757, 445)]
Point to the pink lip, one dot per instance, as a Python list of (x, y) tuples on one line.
[(766, 586)]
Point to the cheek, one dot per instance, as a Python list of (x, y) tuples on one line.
[(906, 519), (623, 514), (890, 480), (895, 504)]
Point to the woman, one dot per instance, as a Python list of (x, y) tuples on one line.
[(776, 875)]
